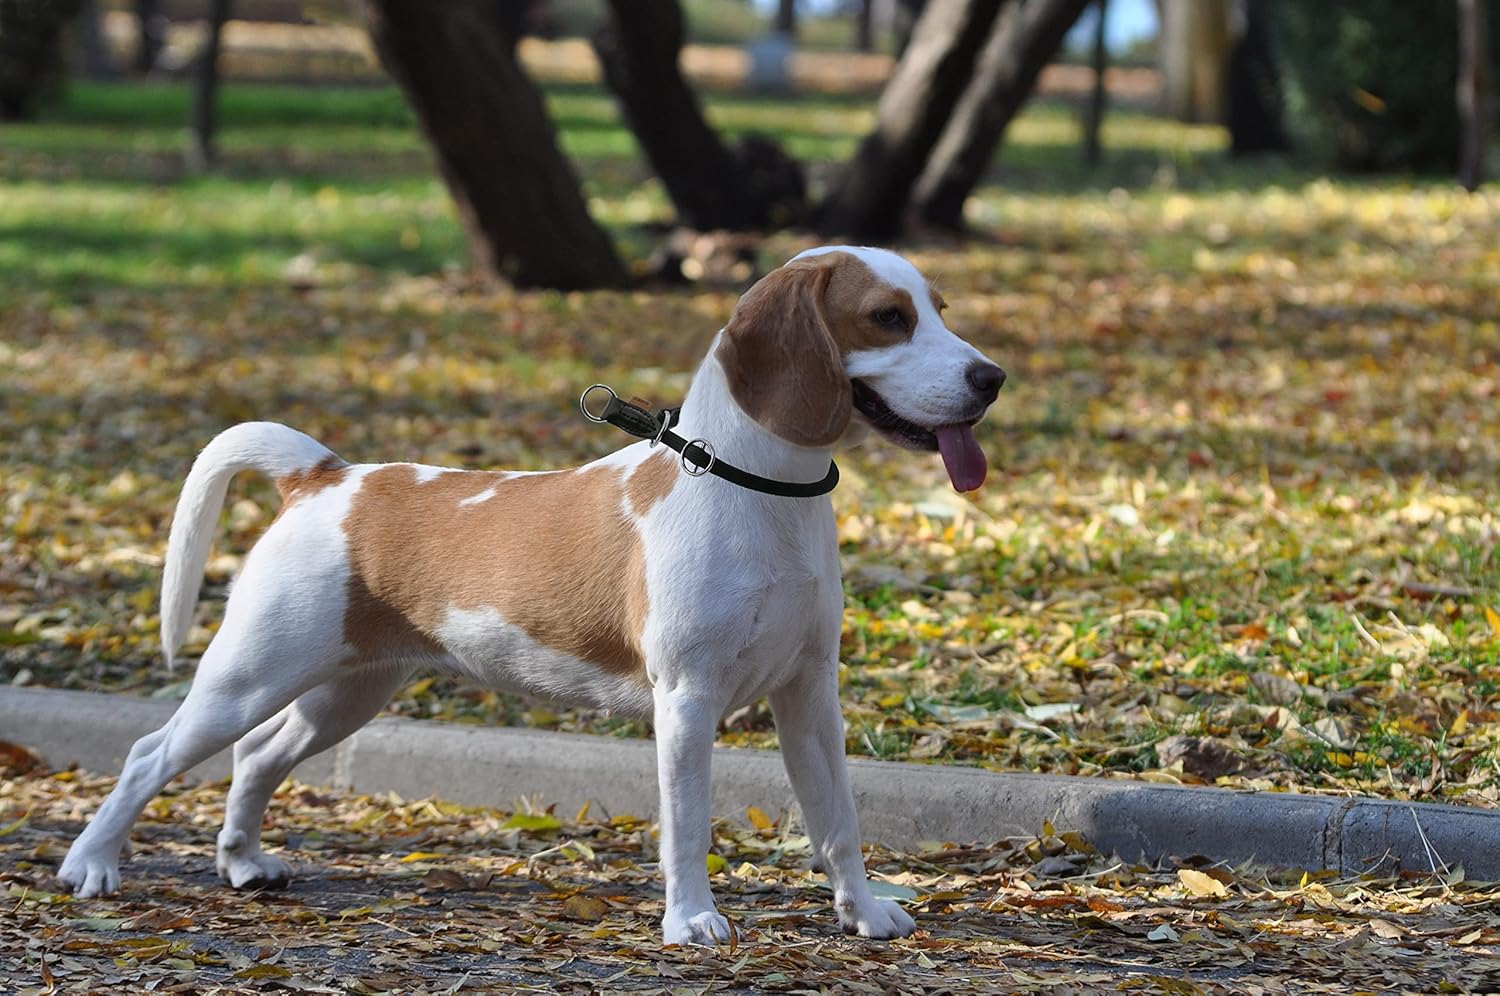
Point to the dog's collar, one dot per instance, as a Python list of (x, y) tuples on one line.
[(698, 456)]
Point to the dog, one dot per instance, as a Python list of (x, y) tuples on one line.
[(631, 583)]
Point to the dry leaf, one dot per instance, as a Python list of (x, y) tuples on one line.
[(1200, 884)]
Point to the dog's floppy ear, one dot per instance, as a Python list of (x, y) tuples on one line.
[(779, 355)]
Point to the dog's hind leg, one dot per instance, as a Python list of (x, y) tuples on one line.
[(245, 677), (316, 721)]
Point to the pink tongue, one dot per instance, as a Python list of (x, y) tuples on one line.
[(962, 457)]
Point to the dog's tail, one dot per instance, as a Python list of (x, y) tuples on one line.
[(272, 449)]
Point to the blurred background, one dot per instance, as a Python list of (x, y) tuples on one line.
[(1239, 257)]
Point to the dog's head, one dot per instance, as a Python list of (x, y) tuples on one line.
[(843, 334)]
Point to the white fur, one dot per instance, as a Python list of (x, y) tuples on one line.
[(745, 602)]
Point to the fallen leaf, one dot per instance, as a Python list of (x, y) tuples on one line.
[(532, 822), (589, 909), (1200, 884)]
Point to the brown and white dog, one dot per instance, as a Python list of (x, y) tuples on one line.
[(625, 584)]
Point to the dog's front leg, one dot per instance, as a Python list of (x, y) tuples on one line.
[(684, 753), (810, 727)]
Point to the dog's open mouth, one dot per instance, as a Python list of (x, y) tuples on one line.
[(962, 457)]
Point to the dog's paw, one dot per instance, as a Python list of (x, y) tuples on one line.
[(879, 919), (708, 929), (87, 876), (254, 871)]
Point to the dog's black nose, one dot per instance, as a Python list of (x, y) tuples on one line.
[(986, 378)]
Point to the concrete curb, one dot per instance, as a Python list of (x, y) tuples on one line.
[(899, 804)]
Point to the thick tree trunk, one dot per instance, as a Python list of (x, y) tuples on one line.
[(904, 23), (711, 185), (1025, 40), (870, 198), (1474, 113), (516, 194), (1253, 109), (30, 52), (202, 118), (1093, 120), (1194, 44)]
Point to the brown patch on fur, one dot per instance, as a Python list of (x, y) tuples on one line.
[(652, 480), (938, 301), (375, 628), (553, 554), (326, 473), (784, 347)]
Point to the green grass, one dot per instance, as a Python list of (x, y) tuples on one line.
[(343, 174)]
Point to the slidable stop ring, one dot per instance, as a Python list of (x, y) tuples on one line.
[(583, 401)]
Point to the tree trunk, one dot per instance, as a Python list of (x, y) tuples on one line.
[(1093, 119), (904, 23), (786, 18), (710, 185), (151, 34), (870, 198), (1473, 91), (516, 194), (864, 26), (1024, 41), (1253, 110), (97, 64), (202, 119), (31, 36), (1194, 44)]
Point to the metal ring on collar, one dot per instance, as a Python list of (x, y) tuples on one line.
[(583, 400), (693, 469), (666, 423)]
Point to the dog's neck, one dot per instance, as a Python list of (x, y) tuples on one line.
[(710, 412)]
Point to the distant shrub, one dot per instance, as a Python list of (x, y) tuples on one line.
[(1369, 83)]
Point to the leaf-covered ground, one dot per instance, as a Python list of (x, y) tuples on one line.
[(423, 896), (1242, 519)]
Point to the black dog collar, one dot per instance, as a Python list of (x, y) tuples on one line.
[(698, 457)]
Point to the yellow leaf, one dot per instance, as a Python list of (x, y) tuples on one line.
[(11, 828), (758, 818), (1076, 841), (590, 909), (263, 972), (531, 822), (583, 812), (1460, 724), (716, 863), (1493, 618), (1200, 884), (422, 856), (419, 688)]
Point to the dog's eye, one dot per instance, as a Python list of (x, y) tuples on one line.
[(889, 317)]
